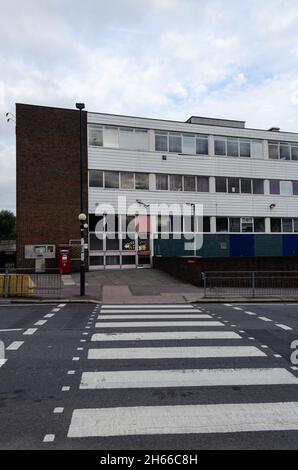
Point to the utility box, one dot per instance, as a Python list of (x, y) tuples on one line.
[(64, 258)]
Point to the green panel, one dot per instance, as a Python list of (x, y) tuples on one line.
[(268, 245), (172, 247), (215, 246)]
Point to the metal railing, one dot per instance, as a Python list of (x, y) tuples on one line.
[(27, 283), (250, 283)]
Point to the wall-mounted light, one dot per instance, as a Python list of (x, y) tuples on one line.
[(272, 206)]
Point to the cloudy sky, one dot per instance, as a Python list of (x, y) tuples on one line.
[(154, 58)]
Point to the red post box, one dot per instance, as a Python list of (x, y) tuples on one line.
[(64, 258)]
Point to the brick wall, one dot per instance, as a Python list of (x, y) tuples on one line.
[(48, 177)]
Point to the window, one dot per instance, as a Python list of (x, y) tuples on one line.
[(161, 142), (189, 183), (259, 224), (285, 152), (232, 148), (126, 135), (274, 187), (175, 143), (202, 145), (96, 260), (111, 179), (128, 223), (206, 224), (234, 224), (203, 184), (257, 149), (294, 152), (286, 188), (95, 136), (127, 180), (112, 242), (164, 224), (220, 146), (141, 141), (258, 186), (246, 224), (273, 151), (233, 185), (295, 222), (244, 149), (222, 224), (162, 182), (295, 188), (96, 244), (142, 181), (93, 222), (128, 260), (188, 144), (275, 225), (246, 186), (175, 183), (287, 225), (221, 185), (110, 137), (128, 244), (112, 260), (95, 179)]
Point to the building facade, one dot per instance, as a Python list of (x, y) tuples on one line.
[(245, 181)]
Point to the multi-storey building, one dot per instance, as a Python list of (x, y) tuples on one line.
[(245, 179)]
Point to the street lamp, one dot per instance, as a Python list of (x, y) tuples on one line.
[(82, 216)]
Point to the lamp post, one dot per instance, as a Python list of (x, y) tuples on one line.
[(82, 216)]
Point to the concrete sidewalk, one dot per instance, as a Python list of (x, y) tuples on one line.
[(131, 286)]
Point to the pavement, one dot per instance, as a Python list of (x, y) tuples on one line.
[(149, 376)]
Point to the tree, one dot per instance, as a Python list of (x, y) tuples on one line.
[(7, 225)]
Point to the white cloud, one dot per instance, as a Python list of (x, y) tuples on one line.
[(159, 58)]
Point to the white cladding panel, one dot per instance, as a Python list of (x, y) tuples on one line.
[(114, 120), (218, 204), (151, 162)]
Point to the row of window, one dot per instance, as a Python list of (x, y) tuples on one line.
[(118, 180), (239, 185), (285, 188), (184, 143), (283, 151)]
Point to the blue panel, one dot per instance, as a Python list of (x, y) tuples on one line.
[(290, 245), (242, 245)]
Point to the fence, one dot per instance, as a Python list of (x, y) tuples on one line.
[(23, 283), (250, 283)]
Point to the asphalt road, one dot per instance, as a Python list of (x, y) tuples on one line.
[(212, 376)]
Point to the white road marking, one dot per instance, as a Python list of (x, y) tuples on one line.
[(158, 306), (152, 317), (251, 313), (30, 331), (15, 329), (277, 355), (264, 318), (131, 324), (2, 362), (228, 305), (167, 335), (15, 345), (284, 327), (56, 310), (65, 389), (49, 438), (75, 358), (58, 410), (49, 315), (80, 349), (104, 311), (186, 378), (237, 308), (184, 419), (61, 305), (71, 372), (294, 368), (175, 352), (40, 322)]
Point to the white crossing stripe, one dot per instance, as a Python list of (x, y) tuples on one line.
[(165, 310), (2, 362), (15, 345), (184, 419), (49, 315), (153, 317), (30, 331), (265, 319), (186, 378), (131, 324), (158, 306), (284, 327), (175, 352), (166, 335), (40, 322)]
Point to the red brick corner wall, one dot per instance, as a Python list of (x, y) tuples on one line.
[(48, 177)]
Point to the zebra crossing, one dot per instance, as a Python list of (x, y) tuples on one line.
[(137, 350)]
